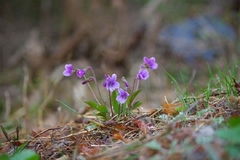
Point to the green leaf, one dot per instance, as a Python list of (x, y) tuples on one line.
[(94, 105), (136, 105), (234, 121), (134, 95), (102, 109), (233, 150), (115, 103), (154, 145), (102, 115), (4, 157), (26, 155), (68, 107), (20, 148), (230, 134), (124, 109)]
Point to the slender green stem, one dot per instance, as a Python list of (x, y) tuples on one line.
[(89, 86), (133, 86), (95, 80), (137, 84), (110, 103)]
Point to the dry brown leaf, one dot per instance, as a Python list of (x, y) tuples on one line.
[(119, 136), (141, 125), (170, 108), (87, 149), (237, 86), (234, 99)]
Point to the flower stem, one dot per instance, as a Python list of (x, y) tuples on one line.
[(133, 86), (137, 84), (89, 86), (95, 80), (110, 101)]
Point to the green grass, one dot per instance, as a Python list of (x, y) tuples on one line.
[(219, 80)]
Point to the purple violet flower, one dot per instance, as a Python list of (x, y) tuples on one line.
[(80, 73), (122, 97), (111, 84), (68, 70), (149, 63), (143, 74)]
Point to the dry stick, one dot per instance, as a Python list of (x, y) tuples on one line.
[(8, 105), (42, 132), (25, 85), (127, 149), (39, 135)]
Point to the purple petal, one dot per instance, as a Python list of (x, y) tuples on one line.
[(154, 66), (143, 75), (114, 77), (152, 60), (122, 97), (67, 73), (68, 67), (68, 70), (150, 63), (80, 73), (111, 84), (145, 59)]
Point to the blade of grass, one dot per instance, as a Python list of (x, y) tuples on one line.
[(67, 107)]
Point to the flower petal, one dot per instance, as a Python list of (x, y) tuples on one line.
[(143, 74), (111, 84), (80, 73), (150, 63), (66, 73), (122, 97)]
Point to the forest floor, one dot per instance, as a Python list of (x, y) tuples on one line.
[(205, 126)]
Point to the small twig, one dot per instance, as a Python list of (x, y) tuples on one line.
[(25, 85), (8, 105), (5, 134)]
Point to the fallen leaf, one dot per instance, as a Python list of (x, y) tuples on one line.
[(121, 126), (234, 102), (170, 108), (234, 99), (87, 149), (141, 125), (118, 136), (237, 86)]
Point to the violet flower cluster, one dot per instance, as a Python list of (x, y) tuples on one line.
[(111, 83)]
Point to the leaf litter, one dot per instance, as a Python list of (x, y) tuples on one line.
[(162, 133)]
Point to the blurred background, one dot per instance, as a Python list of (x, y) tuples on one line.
[(37, 38)]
